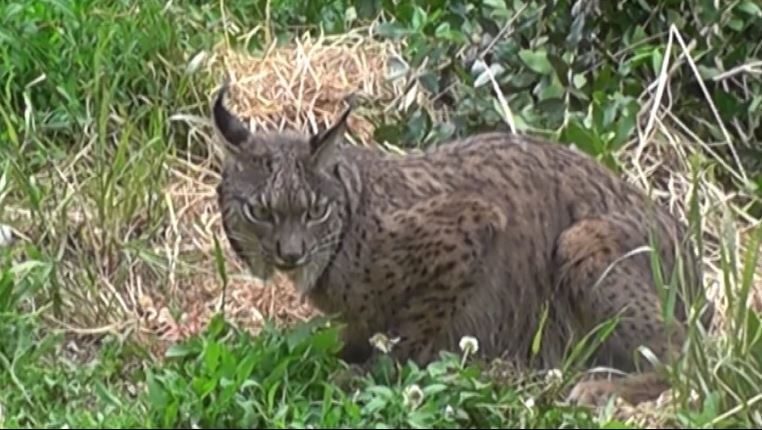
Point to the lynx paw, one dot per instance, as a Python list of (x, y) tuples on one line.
[(348, 377), (592, 393)]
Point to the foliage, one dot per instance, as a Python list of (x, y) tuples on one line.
[(228, 379), (582, 70)]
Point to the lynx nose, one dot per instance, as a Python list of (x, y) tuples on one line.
[(290, 253)]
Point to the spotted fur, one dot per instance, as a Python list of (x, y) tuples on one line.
[(475, 237)]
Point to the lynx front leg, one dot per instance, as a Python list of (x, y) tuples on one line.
[(599, 286), (357, 349), (432, 260)]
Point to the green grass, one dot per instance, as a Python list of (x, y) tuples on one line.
[(97, 112), (226, 378)]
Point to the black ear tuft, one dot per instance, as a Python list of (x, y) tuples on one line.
[(322, 144), (230, 127)]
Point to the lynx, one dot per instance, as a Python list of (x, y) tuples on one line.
[(473, 238)]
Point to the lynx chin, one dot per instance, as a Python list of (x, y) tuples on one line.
[(475, 237)]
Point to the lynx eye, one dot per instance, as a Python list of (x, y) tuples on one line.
[(319, 211), (257, 213)]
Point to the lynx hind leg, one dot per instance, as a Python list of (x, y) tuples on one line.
[(634, 389), (440, 245), (601, 286)]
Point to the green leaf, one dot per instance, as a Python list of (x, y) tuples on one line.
[(420, 420), (656, 61), (219, 259), (170, 414), (228, 391), (375, 405), (6, 291), (750, 7), (180, 350), (444, 32), (430, 81), (327, 341), (298, 336), (246, 366), (434, 389), (536, 60), (736, 24), (271, 393), (366, 8), (552, 90), (579, 80), (387, 133), (350, 15), (156, 394), (576, 30), (727, 104), (496, 4), (216, 326), (228, 360), (754, 332), (536, 342), (583, 138), (616, 425), (203, 386), (625, 126), (212, 356), (392, 30), (419, 18), (381, 391)]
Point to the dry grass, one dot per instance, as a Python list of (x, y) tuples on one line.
[(306, 86), (659, 162)]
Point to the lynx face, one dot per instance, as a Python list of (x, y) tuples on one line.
[(283, 198)]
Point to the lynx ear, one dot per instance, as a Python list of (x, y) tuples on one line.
[(230, 127), (323, 144)]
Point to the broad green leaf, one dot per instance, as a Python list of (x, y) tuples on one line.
[(419, 18), (212, 356), (536, 60), (656, 61), (750, 7), (246, 366), (537, 340), (583, 138), (392, 30), (181, 350), (579, 80), (434, 389)]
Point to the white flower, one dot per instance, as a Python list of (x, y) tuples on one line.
[(469, 344), (529, 403), (554, 375), (413, 396), (196, 62), (449, 412), (6, 236), (381, 342)]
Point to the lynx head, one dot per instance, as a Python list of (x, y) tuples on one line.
[(285, 198)]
